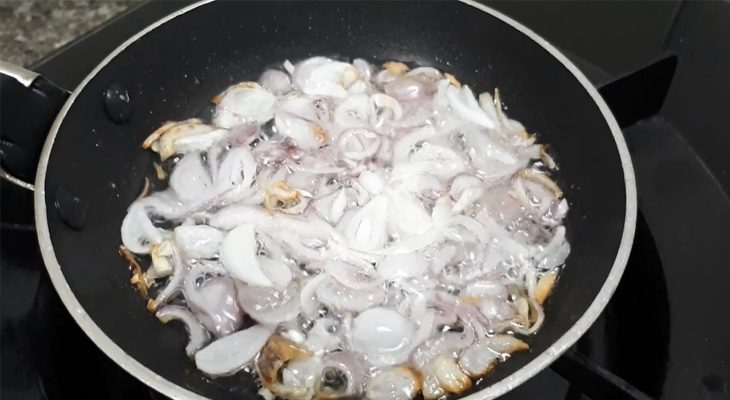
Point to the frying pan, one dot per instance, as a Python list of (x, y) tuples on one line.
[(91, 166)]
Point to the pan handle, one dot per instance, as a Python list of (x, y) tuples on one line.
[(28, 105)]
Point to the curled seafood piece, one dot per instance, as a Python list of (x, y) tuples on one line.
[(400, 383), (545, 286), (182, 137), (343, 376), (447, 373), (431, 389), (281, 197), (275, 356), (449, 376), (504, 344), (529, 316)]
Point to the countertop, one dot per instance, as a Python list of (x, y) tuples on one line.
[(32, 29)]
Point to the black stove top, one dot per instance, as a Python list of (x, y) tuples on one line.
[(664, 335)]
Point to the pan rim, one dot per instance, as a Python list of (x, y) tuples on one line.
[(174, 391)]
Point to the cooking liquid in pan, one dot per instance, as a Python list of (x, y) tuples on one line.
[(351, 231)]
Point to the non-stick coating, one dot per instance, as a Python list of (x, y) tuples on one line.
[(173, 72)]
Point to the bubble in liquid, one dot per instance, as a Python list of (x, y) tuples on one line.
[(118, 103)]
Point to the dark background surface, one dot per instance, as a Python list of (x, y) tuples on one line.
[(31, 29)]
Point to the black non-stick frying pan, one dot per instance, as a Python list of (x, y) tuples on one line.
[(91, 167)]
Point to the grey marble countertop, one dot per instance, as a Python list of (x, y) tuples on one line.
[(31, 29)]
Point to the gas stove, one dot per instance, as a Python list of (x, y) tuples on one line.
[(662, 66)]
